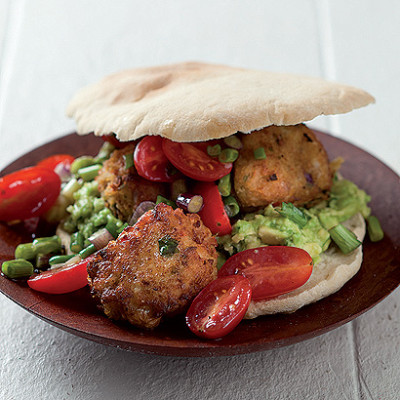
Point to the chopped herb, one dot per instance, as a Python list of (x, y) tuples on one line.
[(128, 160), (228, 155), (168, 246), (259, 154)]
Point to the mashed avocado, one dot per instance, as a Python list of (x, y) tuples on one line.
[(270, 227)]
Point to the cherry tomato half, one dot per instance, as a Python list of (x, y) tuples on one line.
[(194, 162), (28, 193), (114, 141), (213, 213), (61, 280), (53, 161), (150, 160), (219, 307), (271, 270)]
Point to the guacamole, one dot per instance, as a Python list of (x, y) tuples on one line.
[(271, 227)]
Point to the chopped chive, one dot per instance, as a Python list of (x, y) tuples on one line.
[(288, 210), (234, 142), (225, 186), (89, 173), (162, 199), (259, 154), (228, 155), (105, 151), (345, 239), (82, 162), (128, 160), (231, 206), (77, 240), (122, 227), (60, 259), (87, 251), (375, 231), (18, 268), (70, 188), (214, 151), (167, 245)]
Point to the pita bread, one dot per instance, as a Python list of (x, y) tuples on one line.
[(193, 101), (328, 276)]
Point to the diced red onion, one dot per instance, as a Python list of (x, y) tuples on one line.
[(101, 238), (192, 203), (142, 208), (63, 171)]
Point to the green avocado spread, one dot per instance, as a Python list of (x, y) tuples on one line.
[(270, 227)]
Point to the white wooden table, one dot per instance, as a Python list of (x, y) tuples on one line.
[(49, 49)]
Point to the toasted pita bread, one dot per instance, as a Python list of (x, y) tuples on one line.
[(328, 276), (191, 102)]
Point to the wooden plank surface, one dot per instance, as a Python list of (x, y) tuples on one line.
[(50, 49)]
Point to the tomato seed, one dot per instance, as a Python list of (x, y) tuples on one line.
[(250, 261), (201, 167)]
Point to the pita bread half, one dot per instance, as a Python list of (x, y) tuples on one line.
[(189, 102), (328, 276)]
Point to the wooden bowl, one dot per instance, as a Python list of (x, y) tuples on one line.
[(379, 275)]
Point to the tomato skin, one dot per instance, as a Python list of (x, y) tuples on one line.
[(28, 193), (271, 270), (150, 160), (52, 161), (195, 163), (114, 141), (60, 281), (213, 213), (219, 307)]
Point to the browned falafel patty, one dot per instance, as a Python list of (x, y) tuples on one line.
[(295, 168), (122, 188), (136, 278)]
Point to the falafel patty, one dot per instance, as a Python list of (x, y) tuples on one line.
[(295, 168), (122, 188), (155, 268)]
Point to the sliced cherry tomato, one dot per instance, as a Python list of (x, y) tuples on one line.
[(151, 162), (53, 161), (219, 307), (213, 213), (194, 162), (271, 270), (28, 193), (114, 141), (61, 280)]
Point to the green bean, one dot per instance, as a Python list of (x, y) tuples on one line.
[(25, 251), (89, 173), (18, 268), (76, 242), (87, 251), (60, 259), (82, 162), (47, 245), (228, 155), (214, 151), (104, 153), (224, 185)]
